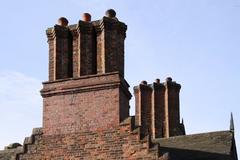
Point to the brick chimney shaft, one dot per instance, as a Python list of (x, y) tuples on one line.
[(86, 90), (157, 109)]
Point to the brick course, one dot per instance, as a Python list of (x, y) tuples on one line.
[(122, 142), (85, 104)]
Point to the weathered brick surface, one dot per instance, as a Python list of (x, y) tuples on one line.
[(60, 52), (119, 143), (172, 112), (110, 45), (76, 51), (85, 104), (157, 109), (51, 63), (144, 109), (84, 49)]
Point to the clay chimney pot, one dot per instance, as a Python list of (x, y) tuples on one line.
[(144, 82), (63, 21), (157, 80), (110, 13), (168, 79), (86, 17)]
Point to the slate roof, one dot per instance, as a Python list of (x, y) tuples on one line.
[(206, 146)]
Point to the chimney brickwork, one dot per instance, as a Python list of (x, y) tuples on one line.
[(60, 52), (86, 90), (110, 45), (157, 109), (86, 105), (86, 99), (143, 108), (172, 112), (84, 49)]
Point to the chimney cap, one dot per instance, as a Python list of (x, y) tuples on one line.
[(62, 21), (168, 79), (110, 13), (144, 82), (86, 17), (157, 80)]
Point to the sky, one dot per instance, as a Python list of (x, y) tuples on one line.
[(194, 42)]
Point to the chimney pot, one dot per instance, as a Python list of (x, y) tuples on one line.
[(168, 79), (144, 82), (110, 13), (86, 17), (157, 80), (62, 21)]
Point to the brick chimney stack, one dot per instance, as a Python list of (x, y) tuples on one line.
[(86, 90), (84, 48), (143, 102), (111, 34), (90, 47), (172, 112), (157, 109), (60, 50)]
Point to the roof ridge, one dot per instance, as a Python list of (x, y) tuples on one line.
[(195, 134)]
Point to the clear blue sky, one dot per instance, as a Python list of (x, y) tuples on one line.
[(194, 42)]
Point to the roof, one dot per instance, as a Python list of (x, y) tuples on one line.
[(205, 146), (209, 146)]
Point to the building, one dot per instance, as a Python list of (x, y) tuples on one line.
[(86, 105)]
